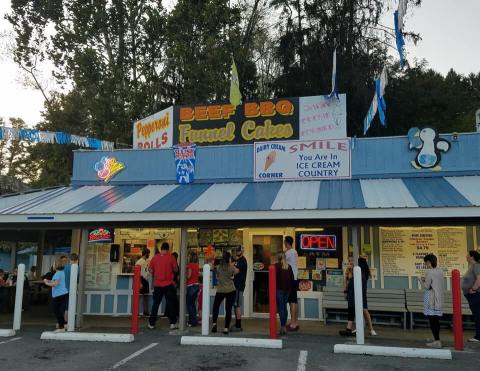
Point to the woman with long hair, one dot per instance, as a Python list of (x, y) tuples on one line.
[(350, 296), (284, 276), (434, 285), (225, 290), (59, 294)]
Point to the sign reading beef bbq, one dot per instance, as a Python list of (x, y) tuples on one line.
[(307, 118), (224, 123)]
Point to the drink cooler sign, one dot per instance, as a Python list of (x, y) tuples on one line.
[(185, 162), (302, 160)]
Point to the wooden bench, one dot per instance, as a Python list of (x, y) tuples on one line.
[(414, 300), (386, 305)]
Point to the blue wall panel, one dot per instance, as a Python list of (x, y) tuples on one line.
[(371, 157), (123, 282), (311, 308), (108, 304)]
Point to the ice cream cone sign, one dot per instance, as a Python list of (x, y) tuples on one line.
[(271, 157)]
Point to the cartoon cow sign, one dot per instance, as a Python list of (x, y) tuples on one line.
[(429, 146)]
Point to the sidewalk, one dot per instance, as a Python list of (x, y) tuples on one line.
[(252, 328)]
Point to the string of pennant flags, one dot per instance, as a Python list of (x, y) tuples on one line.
[(37, 136)]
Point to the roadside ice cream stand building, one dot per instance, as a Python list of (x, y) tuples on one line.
[(251, 175)]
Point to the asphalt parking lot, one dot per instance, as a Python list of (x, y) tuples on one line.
[(157, 350)]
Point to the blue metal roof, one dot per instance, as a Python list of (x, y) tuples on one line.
[(408, 193)]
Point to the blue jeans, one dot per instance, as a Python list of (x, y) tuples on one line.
[(192, 293), (474, 303), (282, 300)]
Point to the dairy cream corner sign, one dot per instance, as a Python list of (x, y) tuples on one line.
[(155, 131), (302, 160)]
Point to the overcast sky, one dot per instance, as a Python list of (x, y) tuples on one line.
[(450, 31)]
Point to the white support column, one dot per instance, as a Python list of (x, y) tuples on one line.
[(72, 298), (206, 300), (183, 277), (81, 281), (357, 280), (17, 315)]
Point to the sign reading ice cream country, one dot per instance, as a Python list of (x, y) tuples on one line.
[(155, 131), (302, 160)]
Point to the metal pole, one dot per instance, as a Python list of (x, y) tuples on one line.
[(17, 316), (272, 300), (356, 250), (81, 282), (357, 285), (72, 297), (183, 278), (206, 300), (135, 299), (457, 310)]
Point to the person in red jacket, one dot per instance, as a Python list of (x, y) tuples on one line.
[(163, 267)]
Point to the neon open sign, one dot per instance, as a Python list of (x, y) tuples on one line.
[(318, 242)]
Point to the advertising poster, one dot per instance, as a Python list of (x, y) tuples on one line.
[(322, 117), (302, 262), (155, 131), (402, 249), (334, 278), (307, 118), (320, 264), (331, 262), (185, 159), (302, 160)]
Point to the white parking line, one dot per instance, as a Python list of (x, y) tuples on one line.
[(302, 360), (9, 341), (131, 356)]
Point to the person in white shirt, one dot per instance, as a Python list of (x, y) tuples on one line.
[(145, 279), (292, 260)]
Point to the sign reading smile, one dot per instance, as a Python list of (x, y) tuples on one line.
[(108, 167)]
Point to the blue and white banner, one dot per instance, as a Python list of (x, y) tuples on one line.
[(399, 38), (378, 102), (36, 136), (185, 157)]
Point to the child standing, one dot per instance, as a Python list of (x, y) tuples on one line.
[(59, 294)]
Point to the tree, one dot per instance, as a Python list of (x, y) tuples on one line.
[(14, 155)]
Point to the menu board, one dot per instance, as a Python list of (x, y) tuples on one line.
[(98, 271), (402, 249)]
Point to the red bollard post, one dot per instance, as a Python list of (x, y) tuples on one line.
[(135, 299), (457, 310), (272, 300)]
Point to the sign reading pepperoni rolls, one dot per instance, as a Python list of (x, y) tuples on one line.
[(302, 160)]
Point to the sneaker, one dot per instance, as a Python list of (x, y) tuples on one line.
[(434, 344), (225, 331), (373, 333), (151, 327), (473, 340), (173, 326), (59, 330), (214, 329)]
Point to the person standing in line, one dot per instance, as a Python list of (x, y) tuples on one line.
[(163, 267), (434, 285), (144, 279), (350, 297), (59, 294), (31, 275), (366, 275), (225, 290), (284, 277), (292, 259), (239, 281), (193, 274), (471, 290)]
